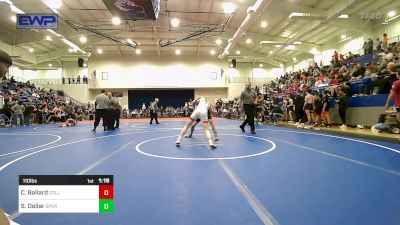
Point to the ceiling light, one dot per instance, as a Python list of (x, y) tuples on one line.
[(270, 52), (83, 39), (290, 47), (237, 52), (229, 7), (138, 51), (218, 41), (70, 50), (100, 51), (267, 42), (343, 36), (116, 20), (53, 4), (50, 65), (175, 22), (314, 51), (278, 46), (306, 16), (31, 50), (48, 38), (391, 13), (248, 41), (261, 65), (297, 43), (264, 24), (177, 51), (212, 52), (343, 16), (84, 65), (130, 41), (294, 59), (14, 18)]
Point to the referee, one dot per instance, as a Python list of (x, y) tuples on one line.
[(101, 104), (117, 112), (248, 97), (153, 111)]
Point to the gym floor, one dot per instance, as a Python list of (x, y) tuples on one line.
[(278, 176)]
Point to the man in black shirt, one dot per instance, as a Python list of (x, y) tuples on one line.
[(248, 97), (359, 73), (298, 107), (325, 108), (343, 101), (153, 111)]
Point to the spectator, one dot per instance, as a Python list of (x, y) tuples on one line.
[(359, 72), (318, 108), (378, 45), (343, 101), (69, 111), (387, 78), (394, 94), (365, 47), (385, 41), (309, 104), (259, 103), (276, 114), (325, 109), (370, 46), (18, 112), (387, 55), (29, 113), (298, 107)]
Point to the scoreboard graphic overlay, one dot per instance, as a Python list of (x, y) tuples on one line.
[(66, 194)]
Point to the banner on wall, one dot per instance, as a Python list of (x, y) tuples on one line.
[(93, 76)]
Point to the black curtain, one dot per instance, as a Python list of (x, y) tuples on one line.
[(174, 98)]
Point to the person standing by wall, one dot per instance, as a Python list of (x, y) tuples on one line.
[(343, 101), (112, 104), (385, 41), (101, 106), (248, 97), (18, 110), (298, 107), (394, 94), (153, 111), (309, 106), (117, 111), (325, 109)]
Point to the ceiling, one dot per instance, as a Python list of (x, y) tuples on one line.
[(194, 15)]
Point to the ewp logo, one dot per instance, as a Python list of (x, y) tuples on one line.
[(37, 21)]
